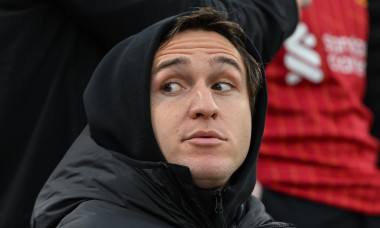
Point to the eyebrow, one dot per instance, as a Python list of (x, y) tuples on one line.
[(226, 60), (171, 62)]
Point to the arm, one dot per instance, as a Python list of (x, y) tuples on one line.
[(111, 23), (267, 22), (303, 3)]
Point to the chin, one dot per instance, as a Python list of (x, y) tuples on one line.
[(211, 175), (209, 183)]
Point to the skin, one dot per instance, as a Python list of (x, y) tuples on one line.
[(304, 3), (200, 108)]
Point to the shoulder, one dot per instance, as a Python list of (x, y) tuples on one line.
[(99, 214), (256, 216)]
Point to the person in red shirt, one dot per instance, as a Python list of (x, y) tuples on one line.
[(318, 160)]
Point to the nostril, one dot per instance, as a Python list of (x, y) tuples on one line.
[(205, 115)]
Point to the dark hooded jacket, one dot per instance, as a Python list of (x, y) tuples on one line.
[(48, 52), (114, 175)]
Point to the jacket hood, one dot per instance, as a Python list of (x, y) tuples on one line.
[(117, 103), (119, 143)]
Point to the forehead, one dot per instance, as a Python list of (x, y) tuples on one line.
[(197, 43)]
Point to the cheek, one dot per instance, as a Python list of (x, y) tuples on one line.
[(246, 129), (165, 126), (242, 128)]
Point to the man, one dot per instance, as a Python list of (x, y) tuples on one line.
[(48, 52), (175, 124), (318, 159)]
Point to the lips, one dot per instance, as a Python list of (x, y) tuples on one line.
[(206, 134), (209, 137)]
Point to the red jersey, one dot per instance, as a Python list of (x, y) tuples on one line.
[(317, 143)]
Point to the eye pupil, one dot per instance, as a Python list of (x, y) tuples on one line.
[(222, 86), (167, 88), (170, 87), (218, 87)]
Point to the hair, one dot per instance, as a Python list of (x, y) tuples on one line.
[(209, 19)]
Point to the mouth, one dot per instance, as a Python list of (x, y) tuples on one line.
[(205, 138)]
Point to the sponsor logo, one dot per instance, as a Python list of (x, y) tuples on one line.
[(344, 55), (301, 59)]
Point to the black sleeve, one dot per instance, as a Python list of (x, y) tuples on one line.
[(267, 22), (372, 97), (111, 22)]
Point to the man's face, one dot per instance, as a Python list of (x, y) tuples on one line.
[(200, 106)]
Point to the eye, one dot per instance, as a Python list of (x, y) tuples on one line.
[(171, 87), (222, 86)]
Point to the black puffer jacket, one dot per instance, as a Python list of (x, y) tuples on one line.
[(114, 175)]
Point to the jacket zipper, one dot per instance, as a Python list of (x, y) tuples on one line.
[(178, 189), (219, 208), (181, 200)]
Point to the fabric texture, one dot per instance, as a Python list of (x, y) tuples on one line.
[(115, 168), (317, 143)]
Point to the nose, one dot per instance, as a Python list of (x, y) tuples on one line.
[(203, 104)]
